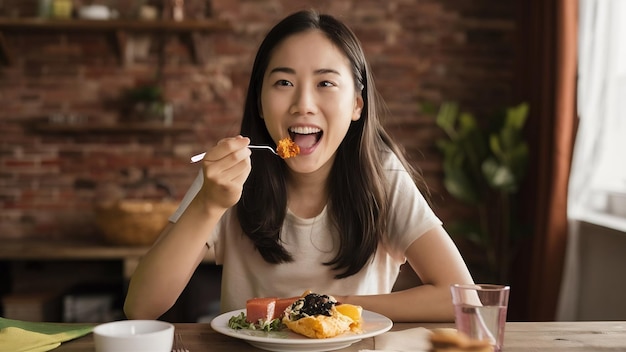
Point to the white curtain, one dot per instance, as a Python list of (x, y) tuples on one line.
[(599, 159)]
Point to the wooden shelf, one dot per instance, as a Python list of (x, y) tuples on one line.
[(156, 128), (117, 29), (166, 26), (41, 250)]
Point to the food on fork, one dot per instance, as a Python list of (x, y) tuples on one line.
[(287, 148), (317, 316)]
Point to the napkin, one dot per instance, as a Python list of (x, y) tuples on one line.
[(409, 340), (23, 336)]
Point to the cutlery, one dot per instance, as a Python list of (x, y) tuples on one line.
[(198, 157), (178, 344)]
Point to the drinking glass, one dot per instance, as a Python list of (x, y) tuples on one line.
[(480, 311)]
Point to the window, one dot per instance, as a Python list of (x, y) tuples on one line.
[(598, 176)]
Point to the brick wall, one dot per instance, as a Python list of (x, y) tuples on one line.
[(420, 50)]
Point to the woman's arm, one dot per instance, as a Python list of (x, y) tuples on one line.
[(437, 261), (165, 270)]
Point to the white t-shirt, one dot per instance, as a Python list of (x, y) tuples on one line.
[(245, 274)]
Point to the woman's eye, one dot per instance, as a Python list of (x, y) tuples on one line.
[(283, 82), (326, 84)]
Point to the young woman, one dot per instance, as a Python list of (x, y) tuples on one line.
[(339, 218)]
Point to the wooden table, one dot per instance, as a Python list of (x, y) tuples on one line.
[(544, 337)]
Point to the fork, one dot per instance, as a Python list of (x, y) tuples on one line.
[(198, 157), (178, 344)]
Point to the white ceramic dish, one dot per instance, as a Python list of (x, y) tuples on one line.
[(94, 12), (134, 336), (287, 341)]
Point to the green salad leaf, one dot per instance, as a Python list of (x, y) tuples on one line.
[(238, 322)]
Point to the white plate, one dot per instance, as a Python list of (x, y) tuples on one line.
[(288, 341)]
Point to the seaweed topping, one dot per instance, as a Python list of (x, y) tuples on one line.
[(311, 305)]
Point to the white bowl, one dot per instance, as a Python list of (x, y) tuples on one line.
[(94, 12), (134, 336)]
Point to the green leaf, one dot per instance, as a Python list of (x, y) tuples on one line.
[(467, 122), (516, 116), (446, 118), (499, 176), (494, 145), (238, 322), (146, 94)]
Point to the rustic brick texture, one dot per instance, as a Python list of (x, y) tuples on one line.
[(419, 50)]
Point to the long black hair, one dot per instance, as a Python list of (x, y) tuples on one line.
[(358, 203)]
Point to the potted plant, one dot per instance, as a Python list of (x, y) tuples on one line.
[(484, 163), (147, 104)]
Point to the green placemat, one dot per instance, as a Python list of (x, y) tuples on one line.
[(25, 336)]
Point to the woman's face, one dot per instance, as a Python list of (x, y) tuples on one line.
[(309, 95)]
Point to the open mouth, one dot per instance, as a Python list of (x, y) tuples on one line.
[(305, 137)]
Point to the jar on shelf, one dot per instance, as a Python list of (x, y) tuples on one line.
[(62, 9), (45, 6), (174, 10), (178, 10)]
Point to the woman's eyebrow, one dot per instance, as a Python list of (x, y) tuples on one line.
[(283, 70), (322, 71), (289, 70)]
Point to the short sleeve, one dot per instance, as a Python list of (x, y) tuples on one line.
[(411, 215)]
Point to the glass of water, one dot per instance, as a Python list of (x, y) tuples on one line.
[(480, 311)]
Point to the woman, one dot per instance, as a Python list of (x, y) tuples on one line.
[(340, 218)]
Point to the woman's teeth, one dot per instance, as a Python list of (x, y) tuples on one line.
[(305, 137), (304, 130)]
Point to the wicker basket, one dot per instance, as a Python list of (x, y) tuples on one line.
[(133, 222)]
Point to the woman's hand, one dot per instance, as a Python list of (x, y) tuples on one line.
[(226, 167)]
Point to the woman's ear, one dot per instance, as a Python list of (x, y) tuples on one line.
[(358, 107)]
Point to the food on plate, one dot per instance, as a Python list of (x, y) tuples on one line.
[(287, 148), (266, 308), (260, 309), (262, 313), (316, 316), (352, 311), (311, 314), (451, 340), (282, 304)]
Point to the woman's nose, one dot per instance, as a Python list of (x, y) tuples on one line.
[(303, 102)]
